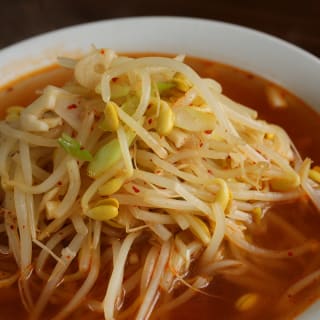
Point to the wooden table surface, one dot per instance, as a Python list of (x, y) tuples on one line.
[(295, 21)]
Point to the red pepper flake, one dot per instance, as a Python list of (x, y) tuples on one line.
[(201, 144), (208, 131), (72, 106), (150, 120), (290, 253), (209, 171), (149, 106), (135, 189), (11, 227), (59, 183), (102, 51), (68, 257), (114, 79)]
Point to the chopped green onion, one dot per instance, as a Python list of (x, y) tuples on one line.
[(74, 148), (107, 156), (163, 86)]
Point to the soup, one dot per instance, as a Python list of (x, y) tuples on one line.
[(258, 291)]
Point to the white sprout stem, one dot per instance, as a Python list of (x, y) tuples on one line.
[(5, 148), (13, 237), (311, 192), (148, 269), (176, 172), (116, 278), (160, 230), (159, 202), (124, 147), (50, 245), (96, 233), (151, 217), (46, 185), (150, 293), (73, 189), (68, 254), (266, 196), (27, 137), (23, 225), (306, 281), (217, 266), (46, 249), (194, 201), (57, 223), (240, 242), (85, 253), (86, 126), (25, 161), (217, 236), (142, 133), (85, 288), (79, 225), (132, 282), (145, 95)]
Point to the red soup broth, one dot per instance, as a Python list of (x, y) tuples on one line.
[(218, 301)]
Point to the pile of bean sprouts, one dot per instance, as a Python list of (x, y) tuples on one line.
[(130, 176)]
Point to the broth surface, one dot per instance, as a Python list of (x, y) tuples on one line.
[(301, 123)]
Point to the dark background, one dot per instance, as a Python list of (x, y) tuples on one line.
[(295, 21)]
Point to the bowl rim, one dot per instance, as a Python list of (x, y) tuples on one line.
[(253, 54), (163, 17)]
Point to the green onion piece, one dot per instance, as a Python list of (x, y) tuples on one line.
[(74, 148), (107, 156), (163, 86)]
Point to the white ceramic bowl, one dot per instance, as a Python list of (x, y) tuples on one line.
[(272, 58)]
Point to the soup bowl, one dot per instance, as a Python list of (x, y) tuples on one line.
[(274, 59)]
